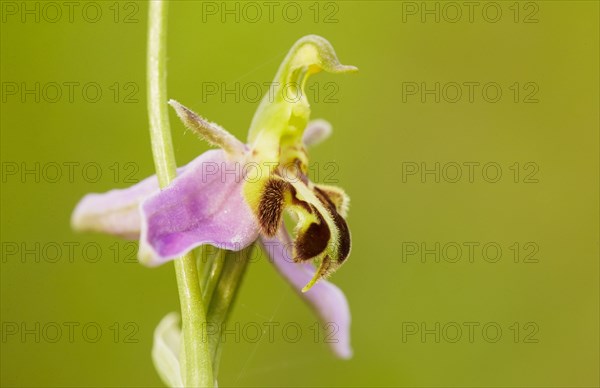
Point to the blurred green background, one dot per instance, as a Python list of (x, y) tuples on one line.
[(408, 295)]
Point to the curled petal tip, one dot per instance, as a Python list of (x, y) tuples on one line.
[(317, 276), (286, 117), (320, 273), (324, 56)]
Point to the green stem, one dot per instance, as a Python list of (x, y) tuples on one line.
[(213, 277), (206, 261), (234, 267), (197, 356)]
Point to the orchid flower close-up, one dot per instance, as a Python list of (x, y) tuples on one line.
[(429, 221), (236, 195)]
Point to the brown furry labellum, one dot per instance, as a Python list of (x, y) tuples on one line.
[(270, 207), (313, 239), (344, 243)]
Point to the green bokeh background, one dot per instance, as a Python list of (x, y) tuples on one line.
[(376, 134)]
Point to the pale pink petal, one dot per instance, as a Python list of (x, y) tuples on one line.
[(115, 212), (204, 205), (326, 299), (316, 132)]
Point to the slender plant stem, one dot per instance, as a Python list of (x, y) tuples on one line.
[(198, 360), (206, 267), (234, 267), (213, 277)]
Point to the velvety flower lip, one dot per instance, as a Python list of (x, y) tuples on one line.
[(233, 211)]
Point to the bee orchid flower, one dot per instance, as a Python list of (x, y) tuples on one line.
[(234, 195)]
